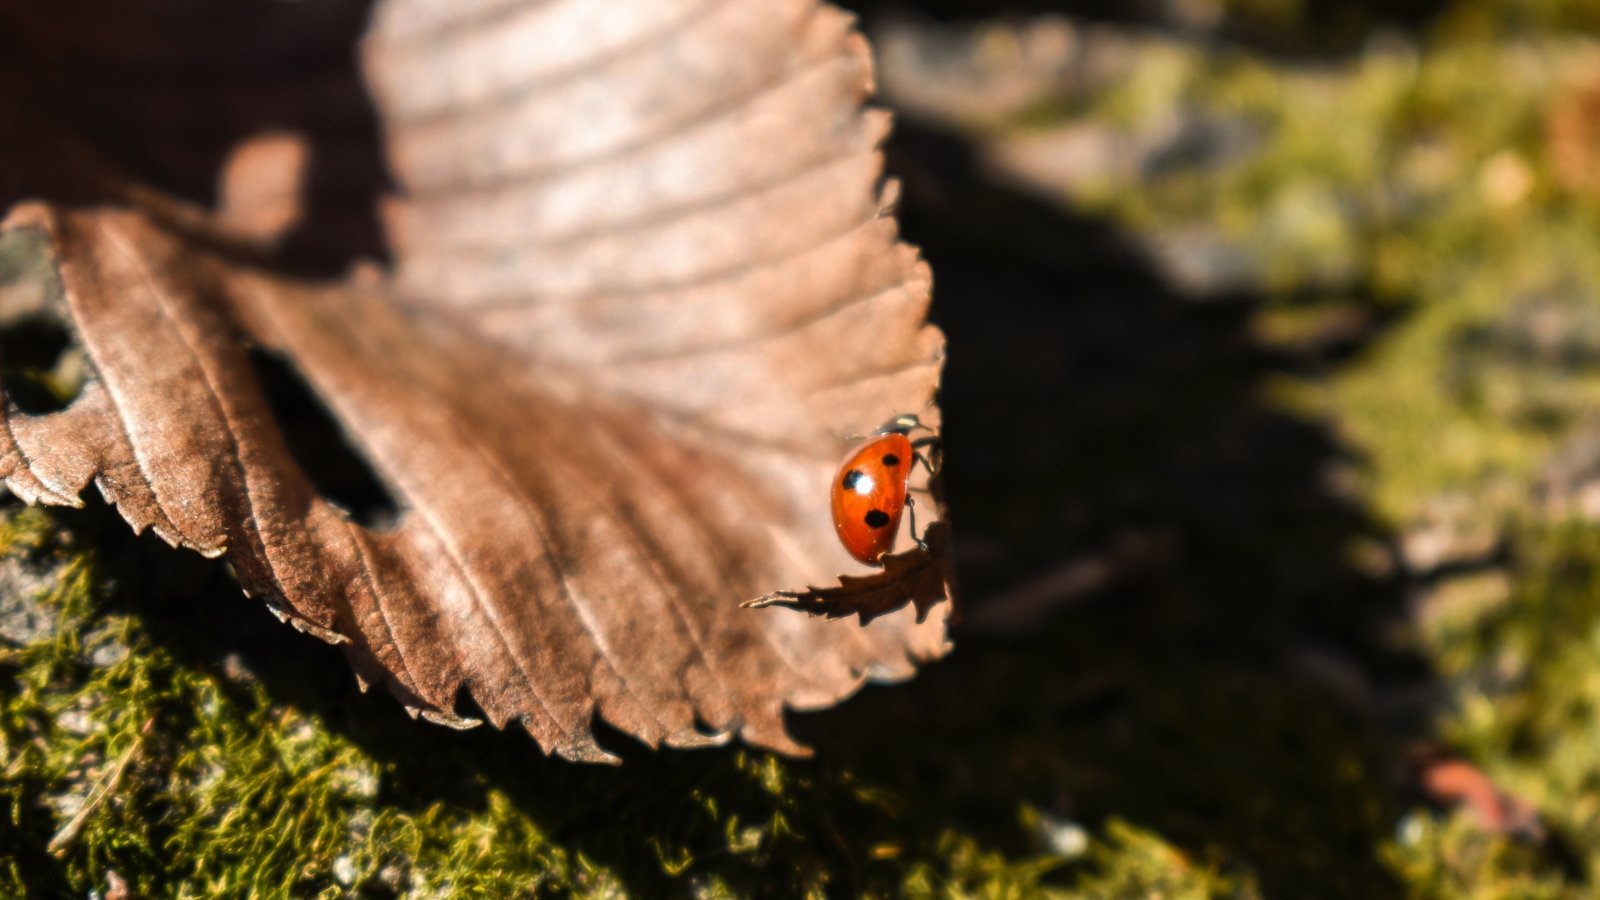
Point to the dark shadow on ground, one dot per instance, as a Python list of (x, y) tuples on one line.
[(1230, 688)]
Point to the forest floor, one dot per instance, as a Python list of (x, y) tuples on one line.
[(1273, 446)]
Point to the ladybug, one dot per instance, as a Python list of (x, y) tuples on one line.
[(871, 491)]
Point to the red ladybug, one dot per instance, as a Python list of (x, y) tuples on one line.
[(870, 491)]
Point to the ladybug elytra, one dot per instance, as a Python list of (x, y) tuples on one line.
[(871, 490)]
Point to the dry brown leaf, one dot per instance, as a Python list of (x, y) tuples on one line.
[(642, 285)]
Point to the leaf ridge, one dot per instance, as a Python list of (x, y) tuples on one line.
[(753, 338), (166, 528), (407, 678), (513, 92), (512, 299), (673, 213), (710, 115)]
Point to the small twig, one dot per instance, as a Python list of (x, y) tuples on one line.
[(63, 839), (1025, 606)]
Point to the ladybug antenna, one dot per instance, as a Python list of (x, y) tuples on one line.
[(903, 424)]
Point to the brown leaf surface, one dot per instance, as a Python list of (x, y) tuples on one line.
[(641, 286)]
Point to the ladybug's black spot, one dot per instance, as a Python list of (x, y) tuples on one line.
[(877, 518), (850, 479), (890, 460)]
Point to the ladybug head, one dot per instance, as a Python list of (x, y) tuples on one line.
[(902, 424)]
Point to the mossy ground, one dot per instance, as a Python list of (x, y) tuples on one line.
[(1409, 336)]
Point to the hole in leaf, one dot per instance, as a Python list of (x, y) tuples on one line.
[(336, 468), (42, 369)]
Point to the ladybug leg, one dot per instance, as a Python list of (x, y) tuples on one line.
[(911, 510), (917, 457)]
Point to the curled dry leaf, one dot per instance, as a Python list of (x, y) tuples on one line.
[(636, 284)]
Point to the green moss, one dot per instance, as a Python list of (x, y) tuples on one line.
[(1133, 862), (252, 768), (1411, 183), (224, 792)]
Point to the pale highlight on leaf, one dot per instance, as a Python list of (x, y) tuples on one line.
[(645, 285)]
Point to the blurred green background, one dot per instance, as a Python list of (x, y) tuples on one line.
[(1274, 454)]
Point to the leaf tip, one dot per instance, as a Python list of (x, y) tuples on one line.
[(213, 551), (448, 720), (28, 488), (696, 740), (775, 737), (303, 625), (587, 751)]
